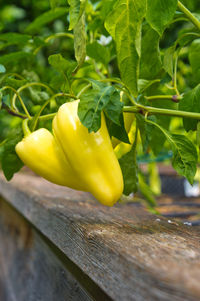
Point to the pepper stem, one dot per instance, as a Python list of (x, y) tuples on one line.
[(25, 127)]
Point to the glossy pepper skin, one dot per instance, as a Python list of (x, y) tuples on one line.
[(90, 154), (40, 152)]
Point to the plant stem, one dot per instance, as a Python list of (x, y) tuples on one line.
[(133, 109), (38, 115), (27, 86), (168, 112), (58, 35), (83, 90), (117, 81), (112, 80), (3, 142), (63, 94), (194, 34), (23, 116), (175, 73), (25, 127), (35, 84), (15, 75), (53, 36), (13, 106), (67, 81), (47, 117), (13, 113), (175, 98), (189, 15)]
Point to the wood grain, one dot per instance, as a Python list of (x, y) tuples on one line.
[(32, 269), (129, 253)]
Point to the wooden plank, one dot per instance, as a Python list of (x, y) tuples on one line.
[(4, 294), (129, 253), (31, 269)]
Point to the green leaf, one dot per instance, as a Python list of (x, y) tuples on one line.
[(13, 38), (38, 96), (129, 169), (150, 54), (155, 136), (160, 13), (168, 60), (80, 40), (58, 62), (65, 67), (118, 131), (190, 103), (142, 126), (56, 3), (2, 69), (150, 135), (144, 84), (31, 75), (39, 42), (1, 101), (194, 58), (124, 25), (198, 133), (94, 102), (15, 83), (46, 18), (10, 162), (53, 3), (185, 157), (96, 85), (106, 7), (113, 108), (6, 101), (98, 52), (15, 57), (58, 82), (76, 10), (184, 39)]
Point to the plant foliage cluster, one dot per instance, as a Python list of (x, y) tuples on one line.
[(115, 56)]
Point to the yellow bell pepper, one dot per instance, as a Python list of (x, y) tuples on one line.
[(40, 152), (90, 154)]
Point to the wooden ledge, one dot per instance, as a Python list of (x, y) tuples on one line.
[(129, 253)]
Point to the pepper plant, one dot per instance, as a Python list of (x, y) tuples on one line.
[(133, 60)]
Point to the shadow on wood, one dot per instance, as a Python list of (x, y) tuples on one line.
[(32, 268), (127, 252)]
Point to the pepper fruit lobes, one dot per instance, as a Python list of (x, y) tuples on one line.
[(90, 154), (40, 152)]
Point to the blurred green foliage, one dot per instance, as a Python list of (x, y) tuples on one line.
[(16, 16), (37, 46)]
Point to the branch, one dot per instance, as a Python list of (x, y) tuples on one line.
[(174, 98), (159, 111), (13, 113), (189, 15)]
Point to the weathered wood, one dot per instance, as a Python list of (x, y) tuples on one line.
[(32, 269), (126, 251)]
